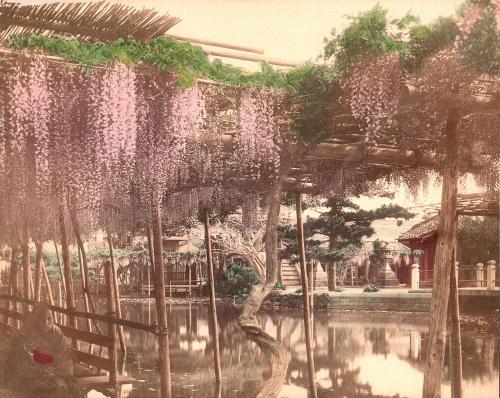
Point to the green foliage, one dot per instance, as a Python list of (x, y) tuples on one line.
[(478, 240), (344, 225), (237, 280), (371, 289), (367, 36), (481, 48), (371, 34), (279, 286), (189, 62), (425, 40), (317, 92)]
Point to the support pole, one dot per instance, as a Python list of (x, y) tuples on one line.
[(84, 269), (305, 294), (68, 279), (25, 264), (113, 357), (118, 306), (47, 283), (456, 338), (447, 233), (161, 304), (38, 270), (84, 290), (13, 287), (59, 265), (213, 307)]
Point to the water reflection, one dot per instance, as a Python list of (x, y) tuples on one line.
[(356, 355)]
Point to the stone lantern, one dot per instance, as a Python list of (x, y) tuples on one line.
[(386, 276)]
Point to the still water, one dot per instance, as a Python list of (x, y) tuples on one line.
[(357, 354)]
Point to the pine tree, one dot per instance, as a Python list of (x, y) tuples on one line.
[(345, 224)]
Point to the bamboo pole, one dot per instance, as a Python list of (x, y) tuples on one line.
[(150, 249), (25, 265), (117, 293), (163, 335), (249, 57), (12, 279), (447, 233), (84, 269), (38, 270), (68, 279), (61, 272), (47, 283), (456, 338), (112, 351), (305, 294), (217, 44), (213, 307), (62, 317), (84, 289)]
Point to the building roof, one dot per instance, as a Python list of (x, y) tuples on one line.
[(421, 230)]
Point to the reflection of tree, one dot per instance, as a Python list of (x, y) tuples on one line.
[(377, 337)]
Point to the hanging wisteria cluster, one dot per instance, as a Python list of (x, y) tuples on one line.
[(112, 142), (372, 91)]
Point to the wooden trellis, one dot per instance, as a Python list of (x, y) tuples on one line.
[(86, 21)]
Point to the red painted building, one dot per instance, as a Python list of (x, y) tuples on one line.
[(421, 239)]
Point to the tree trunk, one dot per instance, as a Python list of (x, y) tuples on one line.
[(332, 269), (456, 338), (306, 296), (116, 289), (447, 232), (38, 269), (68, 279), (213, 307), (161, 306), (272, 348)]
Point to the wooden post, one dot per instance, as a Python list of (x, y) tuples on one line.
[(213, 307), (161, 304), (117, 293), (112, 351), (305, 294), (455, 339), (38, 270), (447, 233), (68, 279)]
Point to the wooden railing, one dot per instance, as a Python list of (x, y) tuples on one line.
[(77, 336)]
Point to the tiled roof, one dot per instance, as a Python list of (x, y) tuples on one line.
[(424, 228)]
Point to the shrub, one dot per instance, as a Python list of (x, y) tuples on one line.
[(237, 280), (280, 286), (371, 289)]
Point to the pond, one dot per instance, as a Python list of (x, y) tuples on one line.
[(357, 354)]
